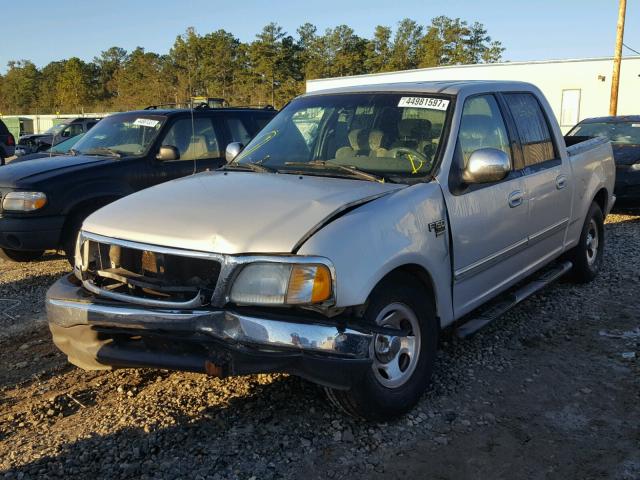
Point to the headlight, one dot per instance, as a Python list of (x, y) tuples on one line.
[(635, 167), (24, 201), (282, 284)]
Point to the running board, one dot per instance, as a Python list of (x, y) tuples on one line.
[(496, 308)]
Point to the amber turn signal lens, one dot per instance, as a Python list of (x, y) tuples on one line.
[(321, 285), (309, 284)]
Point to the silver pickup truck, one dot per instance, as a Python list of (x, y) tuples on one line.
[(342, 241)]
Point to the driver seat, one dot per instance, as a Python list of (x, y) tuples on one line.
[(197, 148)]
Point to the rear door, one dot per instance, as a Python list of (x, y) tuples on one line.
[(547, 178), (488, 221)]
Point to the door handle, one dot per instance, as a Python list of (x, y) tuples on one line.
[(515, 199), (561, 182)]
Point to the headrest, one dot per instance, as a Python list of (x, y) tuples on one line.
[(414, 128), (405, 127), (357, 139), (376, 139)]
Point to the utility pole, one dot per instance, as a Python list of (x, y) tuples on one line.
[(617, 59)]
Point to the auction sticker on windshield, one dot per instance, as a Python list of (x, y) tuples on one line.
[(146, 122), (424, 102)]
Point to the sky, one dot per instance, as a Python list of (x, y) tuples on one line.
[(44, 31)]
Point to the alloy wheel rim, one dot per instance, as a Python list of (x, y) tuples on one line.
[(395, 357), (592, 242)]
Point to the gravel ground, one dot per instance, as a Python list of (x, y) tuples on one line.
[(551, 390)]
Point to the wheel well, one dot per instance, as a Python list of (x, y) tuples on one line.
[(85, 208), (422, 275), (601, 199)]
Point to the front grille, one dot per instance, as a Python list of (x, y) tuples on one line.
[(147, 274)]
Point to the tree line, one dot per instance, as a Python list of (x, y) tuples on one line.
[(269, 70)]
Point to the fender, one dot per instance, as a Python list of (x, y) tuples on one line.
[(406, 227), (93, 190)]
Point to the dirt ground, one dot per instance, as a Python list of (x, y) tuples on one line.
[(551, 390)]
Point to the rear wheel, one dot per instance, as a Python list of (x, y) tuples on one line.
[(20, 255), (401, 365), (587, 255)]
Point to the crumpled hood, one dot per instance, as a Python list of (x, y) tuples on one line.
[(18, 173), (232, 212), (626, 154)]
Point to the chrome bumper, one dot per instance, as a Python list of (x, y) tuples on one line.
[(68, 305)]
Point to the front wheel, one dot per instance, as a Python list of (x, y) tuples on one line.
[(587, 255), (20, 255), (401, 365)]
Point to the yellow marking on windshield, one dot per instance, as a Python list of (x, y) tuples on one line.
[(415, 169)]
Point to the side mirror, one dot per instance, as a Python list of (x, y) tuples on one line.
[(168, 152), (486, 165), (232, 151)]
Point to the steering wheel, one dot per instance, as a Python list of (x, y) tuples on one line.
[(415, 158)]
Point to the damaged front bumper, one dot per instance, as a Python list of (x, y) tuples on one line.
[(103, 334)]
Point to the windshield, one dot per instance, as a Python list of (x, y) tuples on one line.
[(56, 129), (395, 136), (128, 134), (64, 147), (623, 133)]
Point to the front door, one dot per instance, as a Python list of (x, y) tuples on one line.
[(199, 144), (488, 221)]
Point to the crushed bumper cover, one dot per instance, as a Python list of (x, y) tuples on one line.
[(99, 334)]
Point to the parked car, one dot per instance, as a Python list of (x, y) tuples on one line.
[(45, 200), (61, 148), (345, 237), (39, 142), (7, 143), (624, 134)]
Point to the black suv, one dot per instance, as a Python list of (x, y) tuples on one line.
[(7, 143), (44, 201), (38, 142)]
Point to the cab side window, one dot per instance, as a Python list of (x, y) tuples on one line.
[(532, 126), (481, 126), (197, 141)]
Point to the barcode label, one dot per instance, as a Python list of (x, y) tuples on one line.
[(146, 122), (424, 102)]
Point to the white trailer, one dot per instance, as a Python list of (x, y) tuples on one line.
[(576, 88)]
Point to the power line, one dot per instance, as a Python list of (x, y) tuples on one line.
[(627, 46)]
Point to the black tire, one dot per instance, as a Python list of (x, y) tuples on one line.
[(587, 258), (20, 255), (371, 399)]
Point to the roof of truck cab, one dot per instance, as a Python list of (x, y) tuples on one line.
[(196, 111), (608, 119), (450, 87)]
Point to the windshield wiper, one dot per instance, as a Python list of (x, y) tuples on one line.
[(255, 167), (354, 171), (105, 151)]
